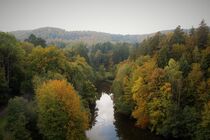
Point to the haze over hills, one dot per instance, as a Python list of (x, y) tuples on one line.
[(57, 35), (52, 35)]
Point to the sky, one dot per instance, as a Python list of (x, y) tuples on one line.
[(110, 16)]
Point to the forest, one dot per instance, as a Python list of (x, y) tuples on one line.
[(47, 92), (165, 84)]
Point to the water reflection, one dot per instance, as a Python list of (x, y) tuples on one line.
[(113, 126), (104, 128), (126, 130)]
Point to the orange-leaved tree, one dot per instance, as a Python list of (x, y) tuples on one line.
[(60, 113)]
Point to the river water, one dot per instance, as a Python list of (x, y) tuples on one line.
[(109, 125)]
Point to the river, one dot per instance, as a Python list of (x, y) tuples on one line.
[(109, 125)]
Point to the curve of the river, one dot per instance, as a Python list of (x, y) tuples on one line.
[(113, 126)]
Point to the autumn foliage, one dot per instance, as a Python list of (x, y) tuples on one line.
[(60, 114), (166, 80)]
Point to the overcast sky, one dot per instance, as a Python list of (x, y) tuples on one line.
[(112, 16)]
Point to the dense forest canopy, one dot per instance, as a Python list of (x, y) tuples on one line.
[(165, 84), (162, 82), (30, 68)]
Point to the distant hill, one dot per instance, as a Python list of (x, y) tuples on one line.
[(57, 36), (53, 35)]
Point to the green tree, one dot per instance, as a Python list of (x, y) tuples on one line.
[(178, 36), (202, 35), (174, 76), (17, 120), (120, 53), (203, 131), (36, 40), (163, 57), (196, 55), (184, 66), (205, 62), (3, 87), (78, 71), (122, 88), (11, 56), (77, 49), (89, 94), (28, 47), (177, 51), (197, 86), (42, 60)]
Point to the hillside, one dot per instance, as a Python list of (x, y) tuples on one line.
[(58, 36), (53, 35)]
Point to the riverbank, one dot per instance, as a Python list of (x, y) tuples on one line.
[(110, 125)]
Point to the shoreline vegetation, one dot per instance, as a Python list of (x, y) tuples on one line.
[(163, 83)]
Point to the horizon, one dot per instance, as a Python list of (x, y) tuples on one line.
[(102, 32), (110, 16)]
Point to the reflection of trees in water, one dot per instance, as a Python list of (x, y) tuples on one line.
[(94, 114), (101, 87), (126, 129)]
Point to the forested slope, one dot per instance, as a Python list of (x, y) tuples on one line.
[(58, 36), (165, 84)]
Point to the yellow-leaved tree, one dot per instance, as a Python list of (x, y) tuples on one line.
[(60, 113)]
